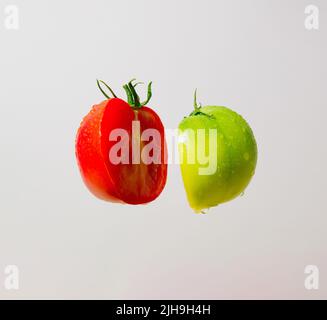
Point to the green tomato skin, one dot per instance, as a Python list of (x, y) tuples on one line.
[(235, 157)]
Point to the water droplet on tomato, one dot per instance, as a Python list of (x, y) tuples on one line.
[(205, 211)]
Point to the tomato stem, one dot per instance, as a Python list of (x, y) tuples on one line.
[(136, 98), (129, 95), (112, 92), (195, 102), (197, 108), (132, 96)]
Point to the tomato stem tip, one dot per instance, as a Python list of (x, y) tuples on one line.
[(195, 100)]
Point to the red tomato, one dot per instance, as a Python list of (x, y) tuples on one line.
[(132, 183)]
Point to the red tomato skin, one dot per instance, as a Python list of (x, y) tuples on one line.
[(89, 155), (127, 183)]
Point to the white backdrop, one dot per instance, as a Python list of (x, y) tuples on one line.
[(254, 56)]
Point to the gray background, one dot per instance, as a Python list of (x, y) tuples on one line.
[(253, 56)]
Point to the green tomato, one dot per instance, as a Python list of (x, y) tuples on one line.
[(218, 156)]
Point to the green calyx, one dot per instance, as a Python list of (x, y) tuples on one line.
[(198, 107), (104, 93), (133, 98)]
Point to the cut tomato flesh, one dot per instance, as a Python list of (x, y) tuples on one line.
[(135, 183)]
